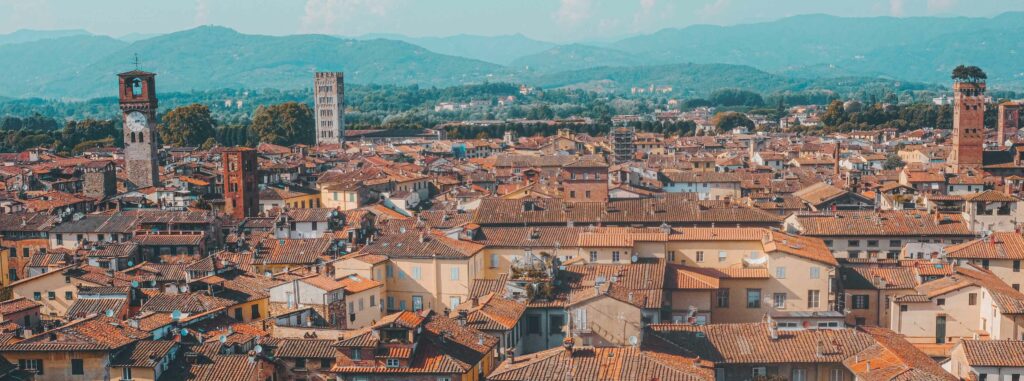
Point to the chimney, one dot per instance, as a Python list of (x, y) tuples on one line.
[(567, 344), (821, 348), (463, 317)]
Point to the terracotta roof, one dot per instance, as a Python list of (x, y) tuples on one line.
[(819, 193), (491, 313), (691, 278), (882, 223), (143, 353), (295, 251), (590, 363), (993, 353), (16, 305), (638, 284), (98, 333), (306, 348), (999, 245)]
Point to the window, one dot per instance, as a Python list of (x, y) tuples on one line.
[(828, 243), (34, 365), (753, 298), (356, 354), (555, 323), (895, 243), (417, 273), (836, 375), (853, 243), (300, 363), (984, 263), (799, 374), (126, 373), (759, 371), (454, 302), (780, 272), (238, 314), (68, 295), (51, 295), (402, 305), (455, 273), (77, 366), (700, 256), (37, 295), (325, 363), (391, 302), (392, 363), (721, 256), (671, 256), (903, 308), (494, 261), (417, 303), (533, 325), (615, 256), (813, 297), (860, 302), (390, 270), (779, 300), (373, 300), (872, 243), (815, 272), (24, 252), (723, 298), (1016, 266), (972, 299), (255, 311), (940, 301), (593, 256)]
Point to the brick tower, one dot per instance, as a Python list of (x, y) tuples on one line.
[(329, 99), (137, 97), (968, 125), (241, 193)]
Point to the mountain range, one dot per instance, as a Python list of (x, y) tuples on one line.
[(793, 53)]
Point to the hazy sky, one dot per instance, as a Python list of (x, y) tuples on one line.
[(553, 20)]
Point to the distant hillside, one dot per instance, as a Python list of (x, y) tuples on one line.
[(28, 68), (29, 35), (575, 57), (702, 79), (501, 50), (216, 57), (917, 48)]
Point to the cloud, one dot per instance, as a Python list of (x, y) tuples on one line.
[(939, 6), (573, 12), (896, 8), (202, 13), (342, 16), (646, 8), (713, 9), (28, 14)]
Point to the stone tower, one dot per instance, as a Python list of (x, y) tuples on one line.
[(968, 125), (1009, 121), (241, 191), (99, 179), (137, 96), (329, 97)]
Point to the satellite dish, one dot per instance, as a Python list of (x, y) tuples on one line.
[(132, 263), (184, 331), (135, 283), (258, 349), (223, 339), (632, 340), (110, 313), (634, 258), (176, 315)]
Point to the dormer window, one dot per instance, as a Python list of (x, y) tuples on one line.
[(392, 363)]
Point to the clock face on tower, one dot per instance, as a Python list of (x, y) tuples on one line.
[(135, 121)]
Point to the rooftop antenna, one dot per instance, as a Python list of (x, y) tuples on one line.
[(135, 61)]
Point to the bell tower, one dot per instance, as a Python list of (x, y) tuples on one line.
[(968, 124), (137, 96)]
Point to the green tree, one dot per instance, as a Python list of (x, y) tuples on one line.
[(969, 74), (725, 121), (834, 115), (187, 126), (893, 161), (286, 124)]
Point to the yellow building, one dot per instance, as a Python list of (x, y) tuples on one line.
[(288, 197)]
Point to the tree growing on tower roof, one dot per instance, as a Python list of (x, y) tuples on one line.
[(971, 74)]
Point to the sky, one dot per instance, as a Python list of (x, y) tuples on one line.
[(549, 20)]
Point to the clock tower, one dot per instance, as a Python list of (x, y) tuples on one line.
[(137, 96)]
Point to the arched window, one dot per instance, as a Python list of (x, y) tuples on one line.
[(136, 87), (133, 137), (142, 137)]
